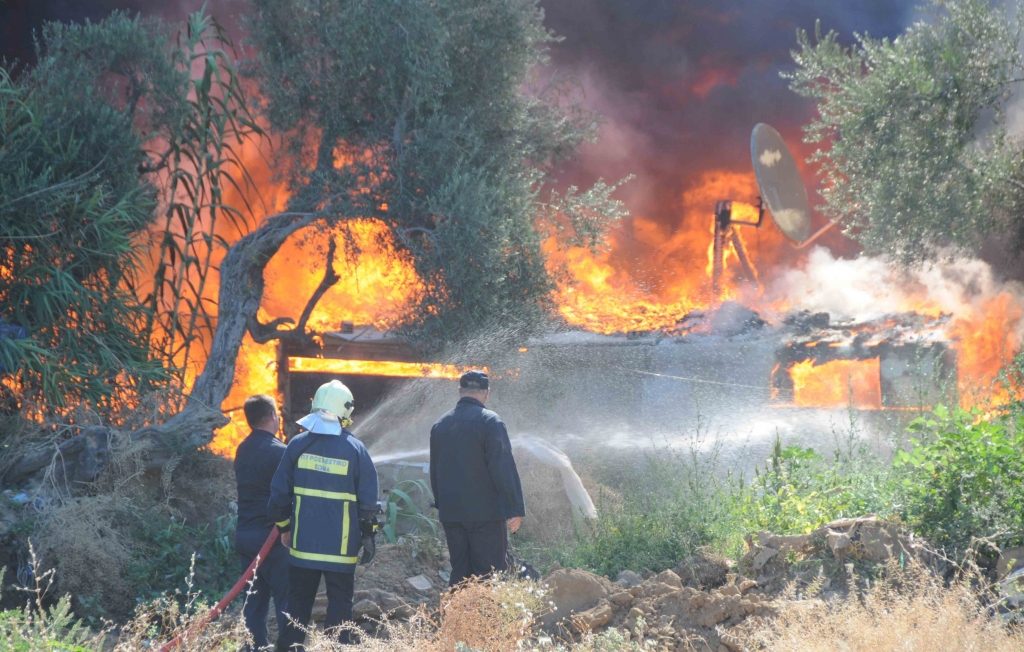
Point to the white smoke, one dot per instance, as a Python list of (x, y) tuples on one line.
[(868, 287)]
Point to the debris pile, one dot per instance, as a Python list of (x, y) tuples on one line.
[(698, 604), (703, 603)]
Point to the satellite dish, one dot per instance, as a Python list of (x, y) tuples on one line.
[(782, 189)]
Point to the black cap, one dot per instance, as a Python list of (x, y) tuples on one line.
[(474, 380)]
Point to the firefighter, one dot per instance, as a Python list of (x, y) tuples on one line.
[(324, 498), (256, 459), (475, 482)]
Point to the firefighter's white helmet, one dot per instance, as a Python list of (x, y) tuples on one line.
[(332, 409)]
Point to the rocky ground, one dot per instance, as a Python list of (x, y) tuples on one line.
[(702, 603)]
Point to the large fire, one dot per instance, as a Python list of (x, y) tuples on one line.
[(648, 277), (653, 274), (378, 286)]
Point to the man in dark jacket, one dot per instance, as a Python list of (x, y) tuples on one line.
[(324, 497), (475, 481), (256, 459)]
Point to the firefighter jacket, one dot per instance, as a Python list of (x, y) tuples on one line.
[(472, 471), (321, 487), (256, 460)]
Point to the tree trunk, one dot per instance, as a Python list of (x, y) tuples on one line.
[(241, 290)]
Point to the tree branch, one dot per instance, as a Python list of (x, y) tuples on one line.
[(330, 278)]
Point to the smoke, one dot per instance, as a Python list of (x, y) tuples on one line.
[(870, 287), (680, 85)]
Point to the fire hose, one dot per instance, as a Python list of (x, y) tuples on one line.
[(219, 608)]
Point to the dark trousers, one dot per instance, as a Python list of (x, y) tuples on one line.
[(476, 549), (303, 584), (271, 582)]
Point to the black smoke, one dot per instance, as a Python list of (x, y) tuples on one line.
[(681, 84)]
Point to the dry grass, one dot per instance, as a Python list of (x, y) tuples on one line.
[(911, 611), (489, 616), (84, 540), (93, 540), (486, 616)]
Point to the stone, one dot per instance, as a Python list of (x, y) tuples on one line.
[(704, 571), (838, 542), (763, 557), (572, 591), (366, 609), (419, 582), (621, 599), (732, 589), (379, 603), (594, 618), (628, 579), (670, 578)]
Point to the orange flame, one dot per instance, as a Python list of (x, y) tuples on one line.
[(651, 276), (378, 284), (838, 383), (389, 368)]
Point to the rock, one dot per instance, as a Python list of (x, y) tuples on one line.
[(784, 542), (419, 582), (876, 540), (629, 579), (704, 571), (652, 588), (1010, 560), (729, 590), (572, 591), (366, 609), (716, 611), (669, 578), (763, 557), (372, 603), (621, 599), (747, 585), (632, 617), (594, 618), (838, 542)]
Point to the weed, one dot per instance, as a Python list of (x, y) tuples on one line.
[(963, 477)]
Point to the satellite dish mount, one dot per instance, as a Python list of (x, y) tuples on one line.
[(782, 192), (725, 235)]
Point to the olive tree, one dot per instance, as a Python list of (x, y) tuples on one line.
[(910, 132), (417, 113)]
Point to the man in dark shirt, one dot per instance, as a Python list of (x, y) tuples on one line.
[(476, 484), (256, 460)]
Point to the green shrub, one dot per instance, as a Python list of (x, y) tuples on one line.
[(669, 510), (170, 544), (39, 627), (963, 477), (54, 628), (800, 490)]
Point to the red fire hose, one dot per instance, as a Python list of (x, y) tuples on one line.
[(219, 608)]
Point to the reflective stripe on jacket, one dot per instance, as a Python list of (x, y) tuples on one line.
[(319, 490)]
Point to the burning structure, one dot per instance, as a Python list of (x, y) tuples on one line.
[(829, 333)]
